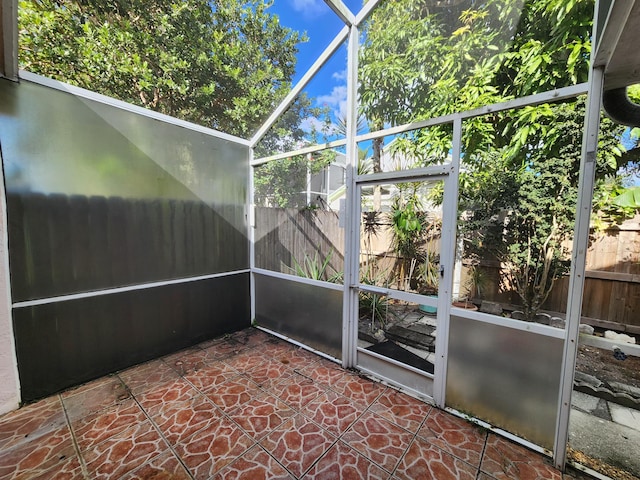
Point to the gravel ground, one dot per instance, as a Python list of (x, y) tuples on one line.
[(605, 367)]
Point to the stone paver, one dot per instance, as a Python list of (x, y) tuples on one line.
[(252, 406), (625, 416)]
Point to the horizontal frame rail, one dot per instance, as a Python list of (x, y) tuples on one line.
[(303, 151), (129, 107), (295, 278), (432, 173), (129, 288), (539, 98)]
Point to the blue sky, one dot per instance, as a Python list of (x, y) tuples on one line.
[(321, 25)]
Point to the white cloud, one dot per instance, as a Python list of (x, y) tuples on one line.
[(341, 75), (337, 100), (311, 123), (308, 8)]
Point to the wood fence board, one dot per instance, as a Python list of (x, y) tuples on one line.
[(79, 240), (68, 244), (211, 237), (198, 246), (624, 253), (100, 267), (616, 307), (167, 256), (17, 244), (37, 241), (283, 235), (179, 237), (59, 228), (118, 240), (613, 276)]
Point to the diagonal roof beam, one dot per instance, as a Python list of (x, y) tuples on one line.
[(366, 11), (342, 11), (289, 99)]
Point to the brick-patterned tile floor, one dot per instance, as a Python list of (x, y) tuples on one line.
[(250, 406)]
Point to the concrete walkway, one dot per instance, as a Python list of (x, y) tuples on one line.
[(606, 431)]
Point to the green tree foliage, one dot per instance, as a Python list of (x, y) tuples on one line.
[(423, 59), (223, 64)]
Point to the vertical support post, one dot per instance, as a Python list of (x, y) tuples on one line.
[(308, 192), (457, 270), (447, 261), (251, 230), (9, 39), (10, 391), (578, 263), (352, 220), (327, 183)]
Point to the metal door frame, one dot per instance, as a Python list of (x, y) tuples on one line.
[(448, 173)]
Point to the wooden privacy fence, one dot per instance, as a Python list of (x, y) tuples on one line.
[(61, 244), (283, 235), (612, 280), (611, 297), (612, 284)]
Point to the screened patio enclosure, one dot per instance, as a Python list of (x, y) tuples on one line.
[(407, 249)]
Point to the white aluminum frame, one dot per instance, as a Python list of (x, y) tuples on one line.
[(366, 10), (587, 172), (435, 173), (295, 278), (342, 11), (392, 380), (128, 288), (251, 227), (302, 151), (295, 91), (397, 294), (578, 263), (521, 325), (450, 172), (447, 265), (395, 363), (537, 99), (298, 344), (352, 209)]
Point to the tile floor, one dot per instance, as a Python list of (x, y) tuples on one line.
[(250, 406)]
